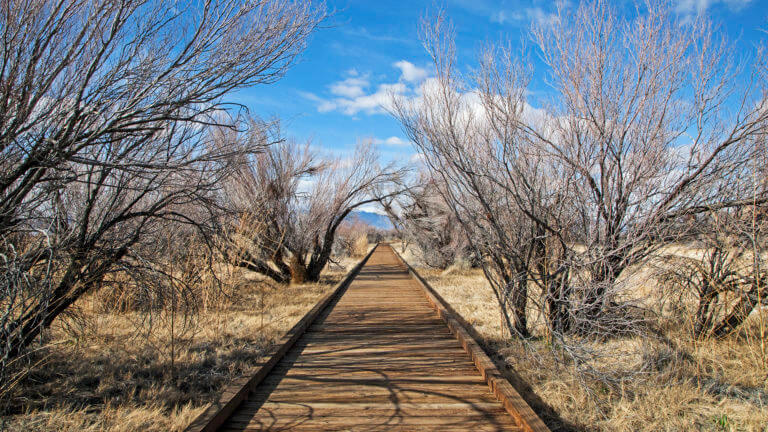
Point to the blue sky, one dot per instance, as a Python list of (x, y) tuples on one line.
[(332, 96)]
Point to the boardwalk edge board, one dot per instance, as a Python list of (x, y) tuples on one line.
[(237, 392), (513, 403)]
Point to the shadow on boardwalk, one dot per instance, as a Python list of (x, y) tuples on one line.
[(379, 358)]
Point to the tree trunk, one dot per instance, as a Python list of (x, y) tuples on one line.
[(519, 303), (604, 275), (556, 285), (558, 304), (255, 265), (17, 335), (749, 300), (298, 270), (704, 312), (317, 264), (322, 254)]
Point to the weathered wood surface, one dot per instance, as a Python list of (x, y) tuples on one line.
[(237, 392), (513, 403), (381, 358)]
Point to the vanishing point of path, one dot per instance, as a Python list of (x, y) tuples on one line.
[(379, 359)]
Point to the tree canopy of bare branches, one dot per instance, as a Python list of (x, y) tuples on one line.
[(422, 218), (648, 122), (108, 112), (288, 234)]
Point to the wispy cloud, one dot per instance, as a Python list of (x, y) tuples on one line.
[(689, 8), (351, 87), (417, 158), (410, 72), (374, 103), (372, 208), (524, 16), (392, 141), (355, 93), (364, 33), (518, 12), (311, 96)]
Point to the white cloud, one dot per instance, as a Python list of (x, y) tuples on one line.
[(326, 106), (691, 7), (417, 158), (535, 15), (372, 208), (353, 94), (351, 87), (536, 116), (410, 72), (362, 32), (502, 17), (374, 103), (305, 186), (392, 141), (311, 96)]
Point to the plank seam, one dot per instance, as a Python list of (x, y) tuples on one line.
[(234, 394), (501, 388)]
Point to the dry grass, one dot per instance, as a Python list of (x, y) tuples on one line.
[(99, 375), (114, 371), (722, 386)]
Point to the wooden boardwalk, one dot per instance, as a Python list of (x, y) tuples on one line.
[(378, 359)]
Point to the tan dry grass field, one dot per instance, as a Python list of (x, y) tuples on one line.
[(96, 374), (722, 387)]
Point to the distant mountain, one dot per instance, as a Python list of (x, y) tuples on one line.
[(373, 219)]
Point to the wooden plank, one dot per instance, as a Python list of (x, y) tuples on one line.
[(350, 385), (312, 346), (361, 328), (382, 358), (344, 410), (371, 379), (347, 417), (372, 396), (373, 337), (387, 372), (495, 422), (372, 362), (382, 351), (504, 391), (218, 412), (393, 394), (365, 406), (297, 426)]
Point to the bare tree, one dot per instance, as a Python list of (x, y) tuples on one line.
[(724, 281), (648, 124), (352, 239), (289, 235), (655, 121), (105, 134), (423, 218), (722, 278), (451, 129)]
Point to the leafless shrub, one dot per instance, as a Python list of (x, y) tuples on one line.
[(352, 239), (721, 283), (422, 218), (649, 125), (288, 234), (106, 136)]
